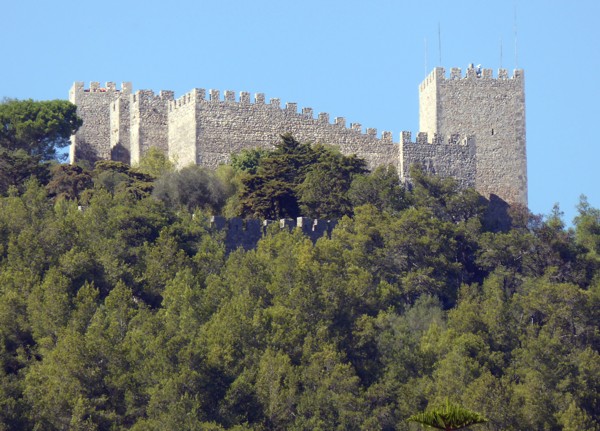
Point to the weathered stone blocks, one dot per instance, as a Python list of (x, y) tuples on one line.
[(473, 128)]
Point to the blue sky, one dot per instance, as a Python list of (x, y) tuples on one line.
[(362, 60)]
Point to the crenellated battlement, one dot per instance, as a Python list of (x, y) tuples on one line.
[(246, 233), (141, 96), (423, 138), (95, 87), (204, 127), (439, 74), (228, 97), (448, 156)]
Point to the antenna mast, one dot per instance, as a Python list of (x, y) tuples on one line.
[(500, 53)]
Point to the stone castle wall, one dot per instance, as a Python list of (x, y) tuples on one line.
[(246, 233), (492, 110), (475, 125), (227, 125), (149, 121), (120, 133), (450, 157), (183, 128)]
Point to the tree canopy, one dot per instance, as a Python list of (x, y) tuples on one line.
[(298, 178), (122, 309), (37, 127)]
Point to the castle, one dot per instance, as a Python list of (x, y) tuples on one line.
[(472, 128)]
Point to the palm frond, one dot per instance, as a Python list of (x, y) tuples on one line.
[(449, 417)]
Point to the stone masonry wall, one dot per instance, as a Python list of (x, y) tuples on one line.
[(492, 110), (227, 126), (149, 122), (120, 133), (453, 157), (246, 233), (92, 140), (183, 128), (482, 120)]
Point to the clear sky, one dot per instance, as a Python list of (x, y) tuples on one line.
[(362, 60)]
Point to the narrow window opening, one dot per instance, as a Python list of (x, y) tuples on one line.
[(492, 132)]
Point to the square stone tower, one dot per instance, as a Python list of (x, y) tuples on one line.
[(491, 109), (92, 140), (148, 123)]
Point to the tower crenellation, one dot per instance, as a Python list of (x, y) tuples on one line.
[(244, 97), (472, 127), (307, 112), (229, 96)]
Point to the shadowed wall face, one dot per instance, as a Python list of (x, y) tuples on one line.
[(246, 233)]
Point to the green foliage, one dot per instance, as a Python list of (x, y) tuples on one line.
[(68, 181), (324, 191), (155, 163), (587, 227), (122, 311), (381, 189), (16, 167), (37, 128), (297, 178), (191, 188), (30, 133), (448, 417), (247, 160), (117, 177)]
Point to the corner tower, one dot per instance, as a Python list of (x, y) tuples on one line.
[(491, 109), (92, 140)]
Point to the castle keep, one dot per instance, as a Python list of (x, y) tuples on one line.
[(472, 128)]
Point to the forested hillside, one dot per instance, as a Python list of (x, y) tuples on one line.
[(120, 309)]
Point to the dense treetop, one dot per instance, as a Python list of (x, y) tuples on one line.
[(37, 128), (120, 309)]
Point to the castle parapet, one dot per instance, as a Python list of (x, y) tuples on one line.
[(229, 96), (291, 118), (95, 87), (244, 98), (447, 156), (437, 139), (246, 233), (290, 109), (194, 96), (148, 95), (387, 137), (472, 72)]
